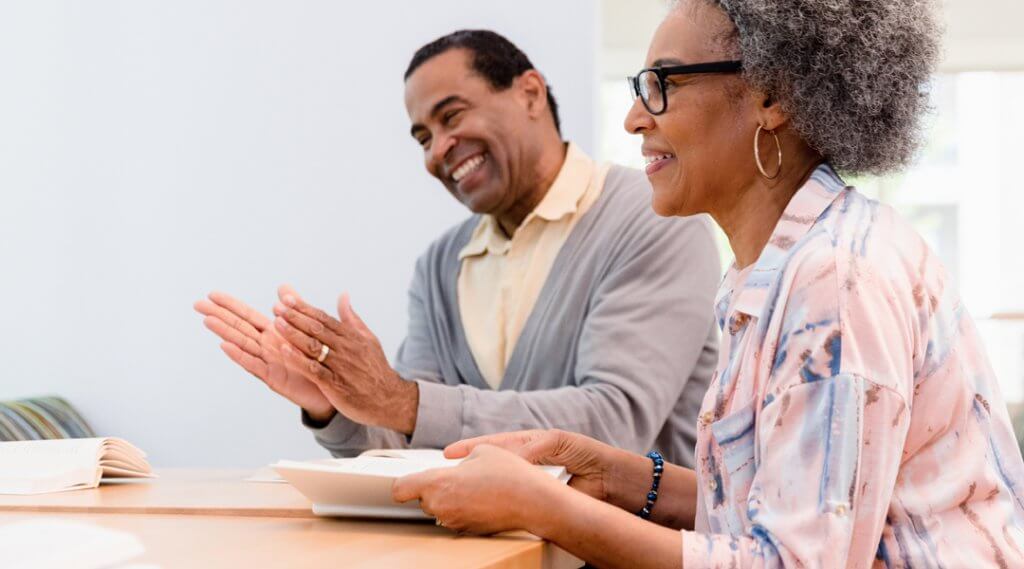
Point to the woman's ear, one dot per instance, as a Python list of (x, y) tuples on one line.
[(769, 113)]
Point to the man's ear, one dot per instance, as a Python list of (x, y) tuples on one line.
[(533, 91)]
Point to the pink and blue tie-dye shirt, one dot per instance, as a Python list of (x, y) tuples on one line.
[(853, 420)]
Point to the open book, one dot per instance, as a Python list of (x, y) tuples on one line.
[(37, 467), (361, 486)]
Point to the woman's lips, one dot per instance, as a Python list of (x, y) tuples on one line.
[(659, 164)]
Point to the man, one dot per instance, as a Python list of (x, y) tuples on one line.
[(563, 302)]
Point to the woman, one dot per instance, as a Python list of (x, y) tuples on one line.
[(853, 420)]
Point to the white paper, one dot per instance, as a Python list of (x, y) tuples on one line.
[(53, 543)]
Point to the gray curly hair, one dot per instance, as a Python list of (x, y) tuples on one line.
[(852, 75)]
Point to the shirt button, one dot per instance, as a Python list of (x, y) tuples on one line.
[(706, 418), (841, 509), (713, 485)]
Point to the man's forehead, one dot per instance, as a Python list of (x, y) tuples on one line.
[(431, 84)]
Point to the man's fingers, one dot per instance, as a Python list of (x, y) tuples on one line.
[(304, 365), (348, 314), (310, 327), (302, 341), (243, 310), (209, 308), (248, 362), (508, 441), (292, 300), (233, 335)]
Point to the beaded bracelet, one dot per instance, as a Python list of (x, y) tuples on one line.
[(652, 496)]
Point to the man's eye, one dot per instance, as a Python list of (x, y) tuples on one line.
[(423, 141), (447, 118)]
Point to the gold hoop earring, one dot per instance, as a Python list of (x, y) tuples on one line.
[(757, 152)]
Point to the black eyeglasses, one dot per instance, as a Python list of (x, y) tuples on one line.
[(649, 84)]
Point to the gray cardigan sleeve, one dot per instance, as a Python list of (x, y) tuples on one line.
[(641, 341)]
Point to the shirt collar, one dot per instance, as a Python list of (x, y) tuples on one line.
[(803, 212), (562, 199)]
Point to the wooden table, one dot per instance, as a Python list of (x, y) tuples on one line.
[(214, 518), (175, 491)]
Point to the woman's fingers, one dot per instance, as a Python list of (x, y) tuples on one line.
[(412, 486), (509, 441), (542, 450)]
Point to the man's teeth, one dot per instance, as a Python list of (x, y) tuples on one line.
[(467, 167), (656, 158)]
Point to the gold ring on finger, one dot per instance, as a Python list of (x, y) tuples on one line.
[(324, 350)]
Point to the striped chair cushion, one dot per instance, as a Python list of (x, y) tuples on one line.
[(41, 418)]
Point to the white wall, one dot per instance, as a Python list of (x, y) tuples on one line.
[(152, 151)]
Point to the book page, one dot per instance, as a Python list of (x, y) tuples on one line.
[(422, 454), (122, 459), (35, 467), (364, 465)]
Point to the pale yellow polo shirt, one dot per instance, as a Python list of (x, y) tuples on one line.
[(501, 277)]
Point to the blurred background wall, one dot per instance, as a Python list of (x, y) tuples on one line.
[(153, 151)]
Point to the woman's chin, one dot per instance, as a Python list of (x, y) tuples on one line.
[(666, 202), (661, 209)]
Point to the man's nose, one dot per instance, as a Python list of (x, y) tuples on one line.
[(441, 147)]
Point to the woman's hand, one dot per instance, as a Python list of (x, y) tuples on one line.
[(251, 342), (601, 471), (588, 460), (491, 491)]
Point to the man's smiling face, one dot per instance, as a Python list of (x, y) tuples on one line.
[(472, 134)]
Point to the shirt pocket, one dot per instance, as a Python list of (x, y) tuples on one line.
[(734, 436)]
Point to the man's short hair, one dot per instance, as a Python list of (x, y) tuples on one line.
[(495, 58)]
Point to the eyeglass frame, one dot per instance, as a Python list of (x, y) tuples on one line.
[(734, 66)]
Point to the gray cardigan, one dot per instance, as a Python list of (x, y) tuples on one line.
[(620, 345)]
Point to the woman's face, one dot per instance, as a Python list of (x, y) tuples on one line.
[(708, 127)]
